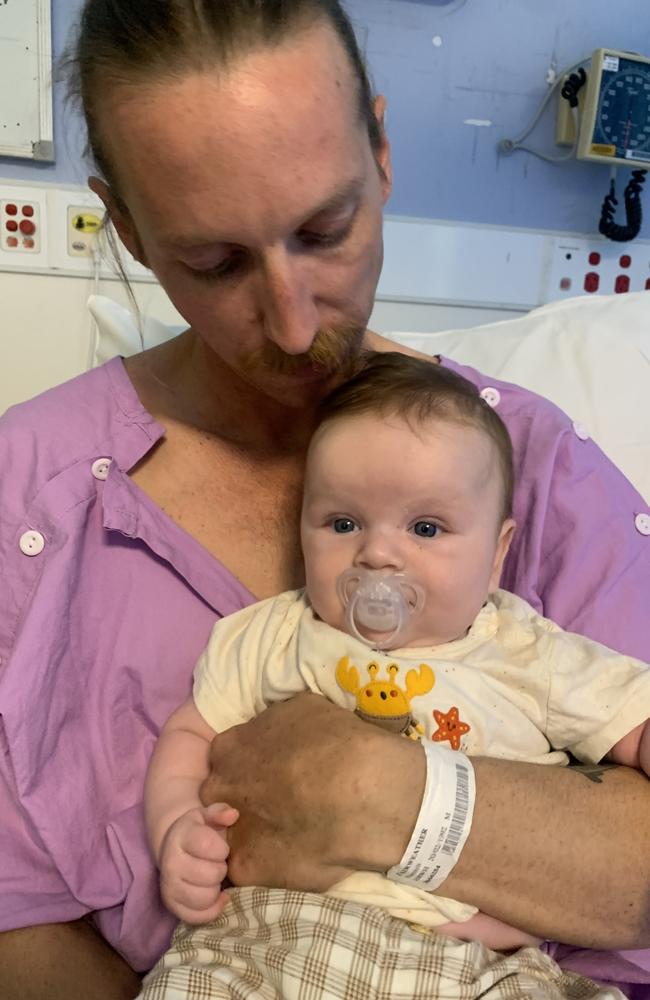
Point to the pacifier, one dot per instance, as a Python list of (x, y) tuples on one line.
[(379, 603)]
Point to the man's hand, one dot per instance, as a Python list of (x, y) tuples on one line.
[(193, 863), (320, 794)]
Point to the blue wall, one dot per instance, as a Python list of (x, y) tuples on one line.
[(491, 65)]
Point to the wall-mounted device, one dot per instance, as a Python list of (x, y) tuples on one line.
[(615, 119), (607, 121)]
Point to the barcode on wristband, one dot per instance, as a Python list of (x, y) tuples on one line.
[(457, 824)]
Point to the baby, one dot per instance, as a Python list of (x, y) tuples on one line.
[(406, 522)]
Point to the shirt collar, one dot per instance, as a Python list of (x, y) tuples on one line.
[(130, 511)]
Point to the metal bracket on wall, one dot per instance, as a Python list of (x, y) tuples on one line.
[(44, 151)]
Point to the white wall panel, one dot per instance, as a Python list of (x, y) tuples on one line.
[(436, 276)]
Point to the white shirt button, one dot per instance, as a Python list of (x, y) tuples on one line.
[(100, 468), (32, 543), (642, 524), (581, 431), (491, 395)]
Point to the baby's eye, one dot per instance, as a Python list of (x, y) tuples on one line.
[(343, 525), (426, 529)]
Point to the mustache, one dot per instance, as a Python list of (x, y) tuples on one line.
[(334, 351)]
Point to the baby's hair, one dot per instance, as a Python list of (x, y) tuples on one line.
[(391, 383)]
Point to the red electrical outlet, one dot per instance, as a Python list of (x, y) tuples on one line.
[(579, 266), (20, 227)]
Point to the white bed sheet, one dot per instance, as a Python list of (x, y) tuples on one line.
[(589, 355)]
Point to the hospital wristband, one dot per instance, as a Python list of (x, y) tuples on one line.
[(443, 823)]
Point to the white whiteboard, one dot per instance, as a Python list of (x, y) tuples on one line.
[(26, 79)]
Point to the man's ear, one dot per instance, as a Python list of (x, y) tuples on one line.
[(503, 544), (120, 218), (382, 155)]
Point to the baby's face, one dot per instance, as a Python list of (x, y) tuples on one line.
[(420, 500)]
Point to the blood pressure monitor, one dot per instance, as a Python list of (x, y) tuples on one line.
[(615, 120)]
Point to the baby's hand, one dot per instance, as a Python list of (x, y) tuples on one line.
[(193, 863)]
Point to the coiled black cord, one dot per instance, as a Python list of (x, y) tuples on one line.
[(572, 85), (633, 211)]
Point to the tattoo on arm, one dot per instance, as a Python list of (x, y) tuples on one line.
[(593, 772)]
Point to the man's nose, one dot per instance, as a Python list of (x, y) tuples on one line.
[(289, 313)]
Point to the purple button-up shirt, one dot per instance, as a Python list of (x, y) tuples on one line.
[(107, 603)]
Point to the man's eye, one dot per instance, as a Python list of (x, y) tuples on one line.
[(343, 525), (325, 239), (224, 269), (426, 529)]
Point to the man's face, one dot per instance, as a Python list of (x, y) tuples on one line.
[(425, 502), (254, 196)]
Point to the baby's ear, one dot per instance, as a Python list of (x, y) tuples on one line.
[(504, 539)]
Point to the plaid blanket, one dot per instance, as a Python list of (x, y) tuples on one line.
[(274, 944)]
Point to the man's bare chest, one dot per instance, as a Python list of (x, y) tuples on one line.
[(244, 511)]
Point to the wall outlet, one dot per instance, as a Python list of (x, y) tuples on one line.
[(20, 226), (592, 267), (83, 226)]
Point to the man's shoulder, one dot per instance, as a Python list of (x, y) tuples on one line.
[(83, 417), (511, 401), (71, 409)]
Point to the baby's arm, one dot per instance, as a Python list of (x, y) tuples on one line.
[(187, 840), (633, 750), (491, 932)]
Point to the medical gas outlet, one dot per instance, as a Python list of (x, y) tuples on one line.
[(84, 226)]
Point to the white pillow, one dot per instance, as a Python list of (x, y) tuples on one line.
[(118, 332), (589, 355)]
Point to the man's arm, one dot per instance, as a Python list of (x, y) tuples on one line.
[(63, 962), (321, 794), (558, 854)]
